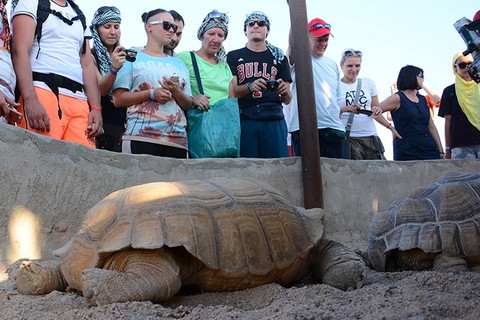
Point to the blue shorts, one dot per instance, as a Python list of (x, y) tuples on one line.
[(264, 139), (328, 150)]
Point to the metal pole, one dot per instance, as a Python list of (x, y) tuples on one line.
[(311, 166)]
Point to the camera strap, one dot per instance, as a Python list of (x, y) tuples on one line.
[(348, 127)]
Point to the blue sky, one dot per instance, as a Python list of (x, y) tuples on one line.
[(390, 34)]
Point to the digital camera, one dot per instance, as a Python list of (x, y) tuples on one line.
[(470, 33), (131, 55), (272, 85)]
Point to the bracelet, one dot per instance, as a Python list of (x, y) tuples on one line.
[(389, 125), (96, 108), (112, 72), (447, 148), (442, 152), (249, 85), (152, 94)]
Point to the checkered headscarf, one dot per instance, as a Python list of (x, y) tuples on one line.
[(102, 53), (215, 22), (276, 52)]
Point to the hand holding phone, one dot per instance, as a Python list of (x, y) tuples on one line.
[(14, 116), (175, 77)]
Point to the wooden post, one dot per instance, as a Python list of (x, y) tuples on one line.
[(311, 166)]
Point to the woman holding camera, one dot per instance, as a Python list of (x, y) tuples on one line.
[(364, 142), (412, 119), (156, 90), (109, 58)]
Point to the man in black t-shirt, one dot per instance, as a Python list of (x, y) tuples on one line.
[(261, 83)]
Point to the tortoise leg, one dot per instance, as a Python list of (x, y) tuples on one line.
[(132, 275), (40, 277), (336, 265), (445, 263)]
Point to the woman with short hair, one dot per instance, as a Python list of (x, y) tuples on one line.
[(412, 119), (364, 142), (156, 90)]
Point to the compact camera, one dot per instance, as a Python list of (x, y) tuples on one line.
[(470, 33), (131, 55), (364, 111), (272, 85)]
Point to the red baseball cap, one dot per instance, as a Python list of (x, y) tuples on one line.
[(477, 16), (319, 27)]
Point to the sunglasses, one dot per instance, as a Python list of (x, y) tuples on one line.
[(104, 9), (259, 23), (320, 26), (167, 25), (420, 75), (463, 65), (351, 53), (216, 14)]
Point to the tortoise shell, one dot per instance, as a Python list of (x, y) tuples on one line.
[(441, 217), (239, 226)]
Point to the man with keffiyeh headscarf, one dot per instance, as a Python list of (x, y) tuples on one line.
[(7, 74), (460, 106), (264, 130), (109, 58)]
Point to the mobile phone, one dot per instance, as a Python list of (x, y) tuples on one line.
[(14, 116), (174, 77)]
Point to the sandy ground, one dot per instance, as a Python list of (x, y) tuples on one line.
[(397, 295)]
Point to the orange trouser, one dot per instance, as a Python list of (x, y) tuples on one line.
[(73, 125)]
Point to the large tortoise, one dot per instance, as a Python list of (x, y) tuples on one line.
[(435, 227), (143, 243)]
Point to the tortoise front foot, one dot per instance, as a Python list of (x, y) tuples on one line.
[(40, 277)]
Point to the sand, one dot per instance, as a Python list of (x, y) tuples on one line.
[(384, 295)]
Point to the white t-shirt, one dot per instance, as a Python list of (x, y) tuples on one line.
[(60, 44), (363, 125), (7, 74), (326, 78)]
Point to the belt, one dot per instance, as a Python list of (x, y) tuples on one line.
[(55, 81)]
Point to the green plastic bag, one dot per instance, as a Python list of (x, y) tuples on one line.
[(215, 133)]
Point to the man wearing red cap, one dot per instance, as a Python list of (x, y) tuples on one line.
[(331, 132)]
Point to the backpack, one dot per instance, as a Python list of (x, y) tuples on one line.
[(43, 11)]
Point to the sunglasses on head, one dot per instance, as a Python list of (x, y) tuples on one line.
[(352, 53), (463, 65), (167, 25), (104, 9), (216, 14), (259, 23), (320, 26)]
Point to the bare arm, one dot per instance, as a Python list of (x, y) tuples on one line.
[(231, 94), (105, 83), (384, 122), (448, 121), (124, 98), (23, 34), (392, 103), (435, 97), (436, 137), (290, 48), (95, 121)]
